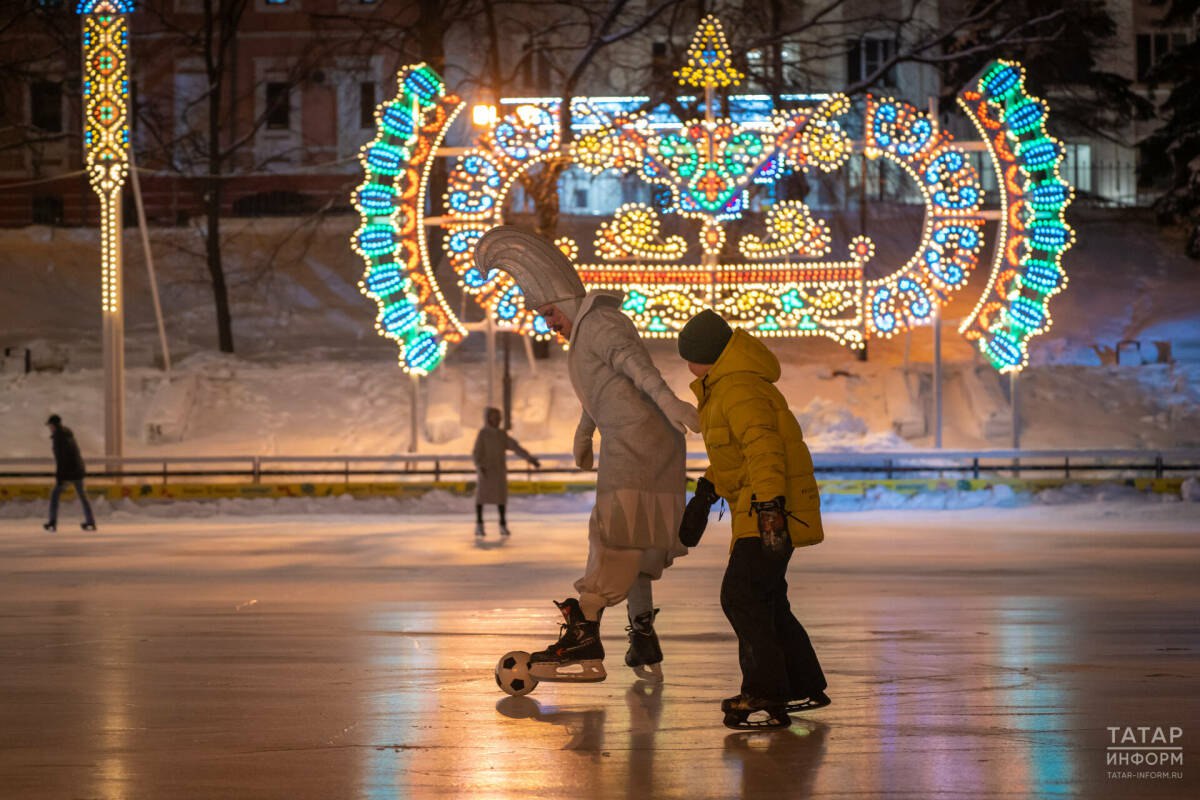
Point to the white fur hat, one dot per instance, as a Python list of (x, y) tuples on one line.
[(543, 272)]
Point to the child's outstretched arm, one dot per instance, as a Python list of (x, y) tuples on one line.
[(515, 447)]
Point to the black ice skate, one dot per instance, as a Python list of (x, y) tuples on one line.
[(577, 656), (50, 526), (479, 531), (644, 655), (744, 713), (87, 526), (809, 703)]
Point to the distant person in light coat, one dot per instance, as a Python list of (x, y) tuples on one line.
[(68, 468), (491, 470)]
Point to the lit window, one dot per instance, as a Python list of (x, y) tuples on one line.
[(1077, 166)]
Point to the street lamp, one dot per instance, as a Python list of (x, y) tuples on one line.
[(106, 152), (483, 115)]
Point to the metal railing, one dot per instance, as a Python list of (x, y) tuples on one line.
[(452, 467)]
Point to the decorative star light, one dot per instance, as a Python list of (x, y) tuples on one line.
[(709, 64)]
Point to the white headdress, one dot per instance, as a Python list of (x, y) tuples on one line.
[(545, 275)]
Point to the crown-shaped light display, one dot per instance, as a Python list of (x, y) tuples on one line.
[(708, 60), (670, 248)]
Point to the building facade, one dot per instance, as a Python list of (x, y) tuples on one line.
[(277, 116)]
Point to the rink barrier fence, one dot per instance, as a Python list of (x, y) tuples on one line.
[(157, 492), (849, 473)]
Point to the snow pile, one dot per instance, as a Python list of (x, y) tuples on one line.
[(882, 499), (442, 502), (312, 378)]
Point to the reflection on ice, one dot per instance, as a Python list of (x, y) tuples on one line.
[(585, 728), (396, 702), (1031, 636), (779, 763), (967, 658)]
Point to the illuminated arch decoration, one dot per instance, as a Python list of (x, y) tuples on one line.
[(952, 231), (1027, 269), (787, 278), (391, 239)]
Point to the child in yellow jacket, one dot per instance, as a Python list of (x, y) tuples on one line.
[(760, 464)]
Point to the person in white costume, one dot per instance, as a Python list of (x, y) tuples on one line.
[(633, 534)]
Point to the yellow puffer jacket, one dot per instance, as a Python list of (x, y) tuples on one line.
[(756, 450)]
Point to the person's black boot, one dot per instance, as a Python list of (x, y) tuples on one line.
[(746, 713), (578, 655), (644, 654), (808, 703)]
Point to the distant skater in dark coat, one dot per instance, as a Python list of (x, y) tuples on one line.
[(491, 469), (68, 468)]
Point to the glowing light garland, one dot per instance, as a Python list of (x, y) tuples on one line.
[(794, 232), (952, 231), (1027, 270), (106, 128), (633, 234), (706, 171), (391, 239)]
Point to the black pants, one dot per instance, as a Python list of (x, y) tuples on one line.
[(57, 490), (479, 513), (777, 658)]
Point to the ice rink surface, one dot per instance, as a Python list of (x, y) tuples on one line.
[(969, 654)]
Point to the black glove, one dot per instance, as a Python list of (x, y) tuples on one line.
[(695, 516), (772, 527), (536, 464)]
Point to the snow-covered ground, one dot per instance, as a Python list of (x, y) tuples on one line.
[(312, 378)]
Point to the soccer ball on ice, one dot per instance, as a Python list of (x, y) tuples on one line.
[(512, 673)]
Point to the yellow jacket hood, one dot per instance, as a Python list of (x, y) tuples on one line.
[(744, 353)]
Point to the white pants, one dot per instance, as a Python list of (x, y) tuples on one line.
[(614, 573)]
